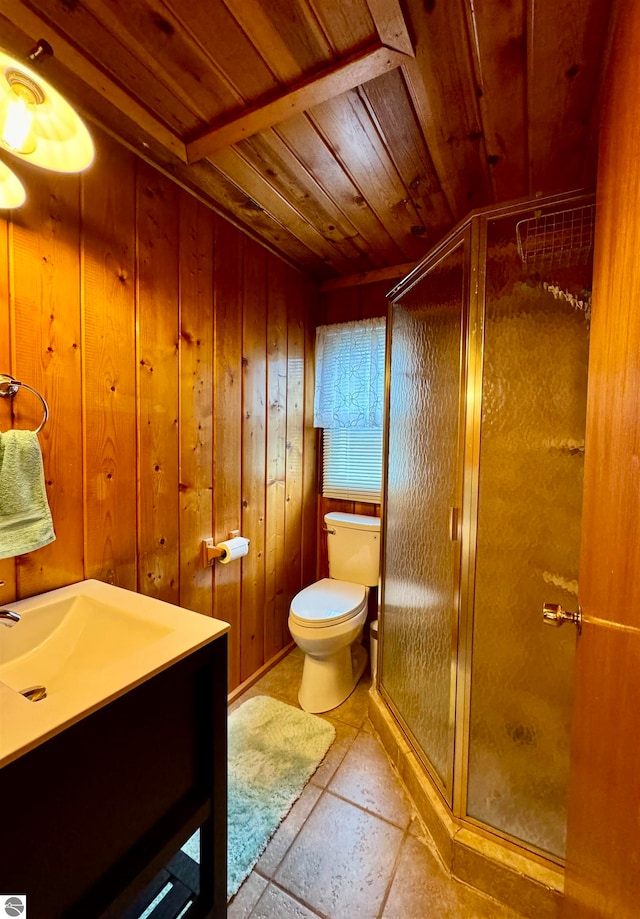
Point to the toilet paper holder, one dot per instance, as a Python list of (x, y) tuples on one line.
[(210, 551)]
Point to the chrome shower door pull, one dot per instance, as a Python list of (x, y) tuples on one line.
[(555, 614)]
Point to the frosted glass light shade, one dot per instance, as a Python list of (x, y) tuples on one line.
[(57, 137), (12, 193)]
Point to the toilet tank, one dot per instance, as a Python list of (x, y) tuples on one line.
[(353, 543)]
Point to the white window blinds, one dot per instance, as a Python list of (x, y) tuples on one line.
[(352, 464)]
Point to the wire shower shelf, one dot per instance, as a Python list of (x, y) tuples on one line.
[(559, 239)]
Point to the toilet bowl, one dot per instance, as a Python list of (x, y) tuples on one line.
[(326, 621)]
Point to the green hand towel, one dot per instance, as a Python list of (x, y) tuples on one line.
[(25, 518)]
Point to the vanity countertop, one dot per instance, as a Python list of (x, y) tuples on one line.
[(87, 644)]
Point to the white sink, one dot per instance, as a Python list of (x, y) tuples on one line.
[(86, 644), (63, 643)]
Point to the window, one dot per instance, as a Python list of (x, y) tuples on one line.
[(352, 464), (349, 405)]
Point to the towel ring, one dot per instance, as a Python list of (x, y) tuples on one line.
[(9, 387)]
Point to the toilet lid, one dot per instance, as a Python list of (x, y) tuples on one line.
[(327, 602)]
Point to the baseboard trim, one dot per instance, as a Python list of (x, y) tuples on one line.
[(233, 695)]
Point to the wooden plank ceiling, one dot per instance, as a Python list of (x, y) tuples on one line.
[(348, 135)]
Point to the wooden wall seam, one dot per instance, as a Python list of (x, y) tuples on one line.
[(136, 313), (254, 438), (83, 369), (228, 404), (8, 565), (275, 559), (196, 405), (158, 546)]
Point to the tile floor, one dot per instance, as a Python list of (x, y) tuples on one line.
[(351, 847)]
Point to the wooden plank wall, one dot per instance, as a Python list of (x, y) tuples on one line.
[(176, 355), (363, 301)]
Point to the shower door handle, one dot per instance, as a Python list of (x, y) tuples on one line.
[(555, 614)]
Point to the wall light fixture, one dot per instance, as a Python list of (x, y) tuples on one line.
[(36, 122)]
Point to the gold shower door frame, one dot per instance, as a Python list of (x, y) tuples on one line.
[(473, 232), (455, 240)]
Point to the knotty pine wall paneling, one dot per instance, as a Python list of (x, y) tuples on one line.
[(275, 619), (254, 458), (293, 456), (176, 355), (196, 402), (45, 297), (108, 247), (227, 429), (309, 462), (7, 566), (158, 366)]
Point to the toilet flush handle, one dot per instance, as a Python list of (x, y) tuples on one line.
[(328, 530)]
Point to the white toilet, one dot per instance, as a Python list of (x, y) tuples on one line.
[(326, 618)]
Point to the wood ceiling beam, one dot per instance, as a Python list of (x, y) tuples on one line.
[(337, 79), (74, 61), (390, 25), (368, 277)]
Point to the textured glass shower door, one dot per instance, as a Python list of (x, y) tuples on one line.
[(421, 567), (529, 501), (488, 361)]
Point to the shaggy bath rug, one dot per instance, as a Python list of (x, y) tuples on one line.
[(274, 749)]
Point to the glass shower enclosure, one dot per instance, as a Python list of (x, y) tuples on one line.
[(487, 378)]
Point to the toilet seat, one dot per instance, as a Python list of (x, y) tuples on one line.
[(327, 602)]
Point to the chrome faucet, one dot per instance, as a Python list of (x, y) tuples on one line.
[(8, 617)]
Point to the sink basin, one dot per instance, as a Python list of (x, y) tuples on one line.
[(61, 644), (86, 644)]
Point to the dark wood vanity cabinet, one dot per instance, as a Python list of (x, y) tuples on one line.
[(91, 815)]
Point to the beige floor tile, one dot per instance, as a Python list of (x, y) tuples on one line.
[(246, 898), (422, 889), (345, 735), (367, 727), (283, 681), (337, 851), (287, 831), (366, 778), (342, 860), (247, 694), (276, 904), (417, 828), (353, 710)]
